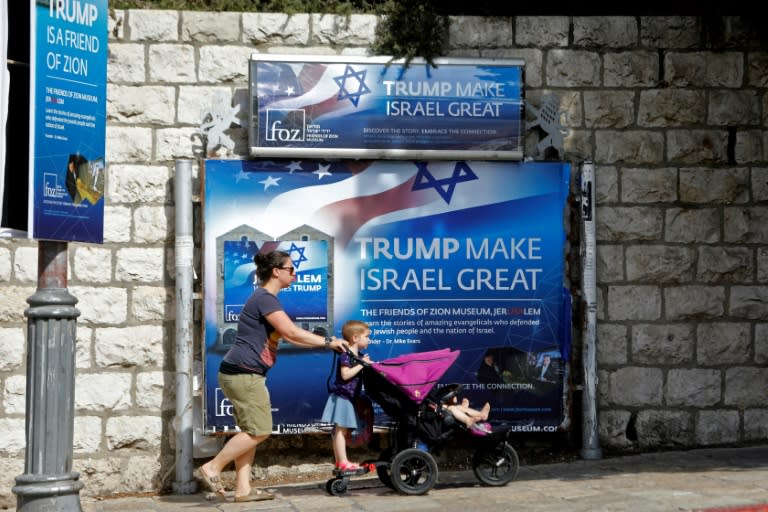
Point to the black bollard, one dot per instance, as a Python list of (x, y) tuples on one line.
[(48, 482)]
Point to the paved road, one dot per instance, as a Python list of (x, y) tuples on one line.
[(727, 479)]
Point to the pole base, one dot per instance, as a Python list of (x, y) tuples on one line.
[(35, 493), (591, 453), (185, 487)]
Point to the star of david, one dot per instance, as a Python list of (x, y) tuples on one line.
[(300, 251), (445, 187), (345, 94)]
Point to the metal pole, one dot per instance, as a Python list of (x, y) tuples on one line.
[(590, 439), (48, 482), (185, 483)]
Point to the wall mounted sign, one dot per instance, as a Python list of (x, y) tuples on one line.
[(466, 255), (343, 107), (68, 102)]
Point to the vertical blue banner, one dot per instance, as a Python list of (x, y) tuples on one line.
[(466, 255), (69, 82)]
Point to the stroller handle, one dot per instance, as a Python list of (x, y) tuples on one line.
[(355, 358)]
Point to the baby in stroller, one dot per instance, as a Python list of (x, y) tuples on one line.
[(473, 419)]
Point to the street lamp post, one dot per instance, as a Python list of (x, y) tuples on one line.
[(48, 482)]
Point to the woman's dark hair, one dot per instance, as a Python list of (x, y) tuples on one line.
[(265, 262)]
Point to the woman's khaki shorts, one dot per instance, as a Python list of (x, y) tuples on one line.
[(250, 399)]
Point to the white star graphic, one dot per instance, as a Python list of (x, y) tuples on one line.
[(322, 170), (270, 182), (290, 91), (294, 166), (242, 176)]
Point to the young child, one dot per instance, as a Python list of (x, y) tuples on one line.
[(339, 408)]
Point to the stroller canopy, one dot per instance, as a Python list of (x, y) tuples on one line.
[(416, 374)]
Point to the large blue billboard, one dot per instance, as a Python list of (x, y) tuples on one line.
[(69, 121), (466, 255)]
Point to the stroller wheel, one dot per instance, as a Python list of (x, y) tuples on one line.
[(336, 486), (496, 466), (413, 472)]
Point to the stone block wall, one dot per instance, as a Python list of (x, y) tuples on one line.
[(674, 119)]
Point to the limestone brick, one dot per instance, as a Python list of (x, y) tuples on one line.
[(153, 25), (152, 224), (572, 68), (630, 69), (612, 426), (725, 264), (757, 69), (755, 425), (690, 302), (612, 343), (117, 223), (336, 30), (723, 343), (141, 346), (761, 343), (128, 144), (156, 391), (637, 386), (634, 303), (749, 302), (175, 143), (697, 146), (92, 264), (749, 146), (662, 344), (542, 31), (134, 432), (472, 32), (260, 28), (693, 388), (609, 263), (630, 146), (746, 225), (152, 303), (210, 27), (730, 108), (101, 306), (659, 428), (760, 183), (628, 223), (14, 394), (87, 435), (605, 31), (223, 64), (13, 441), (144, 184), (712, 186), (183, 68), (12, 349), (126, 63), (609, 109), (717, 427), (141, 104), (642, 185), (5, 264), (692, 225), (669, 32), (704, 69), (671, 108), (103, 392), (660, 263), (25, 264), (746, 386), (140, 265), (13, 302)]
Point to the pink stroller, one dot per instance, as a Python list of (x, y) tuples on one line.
[(405, 388)]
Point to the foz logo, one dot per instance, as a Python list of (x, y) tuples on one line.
[(285, 125), (223, 405), (51, 186)]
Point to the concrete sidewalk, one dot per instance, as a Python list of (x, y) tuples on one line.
[(732, 479)]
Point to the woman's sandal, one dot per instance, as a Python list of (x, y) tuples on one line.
[(258, 495), (213, 483)]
